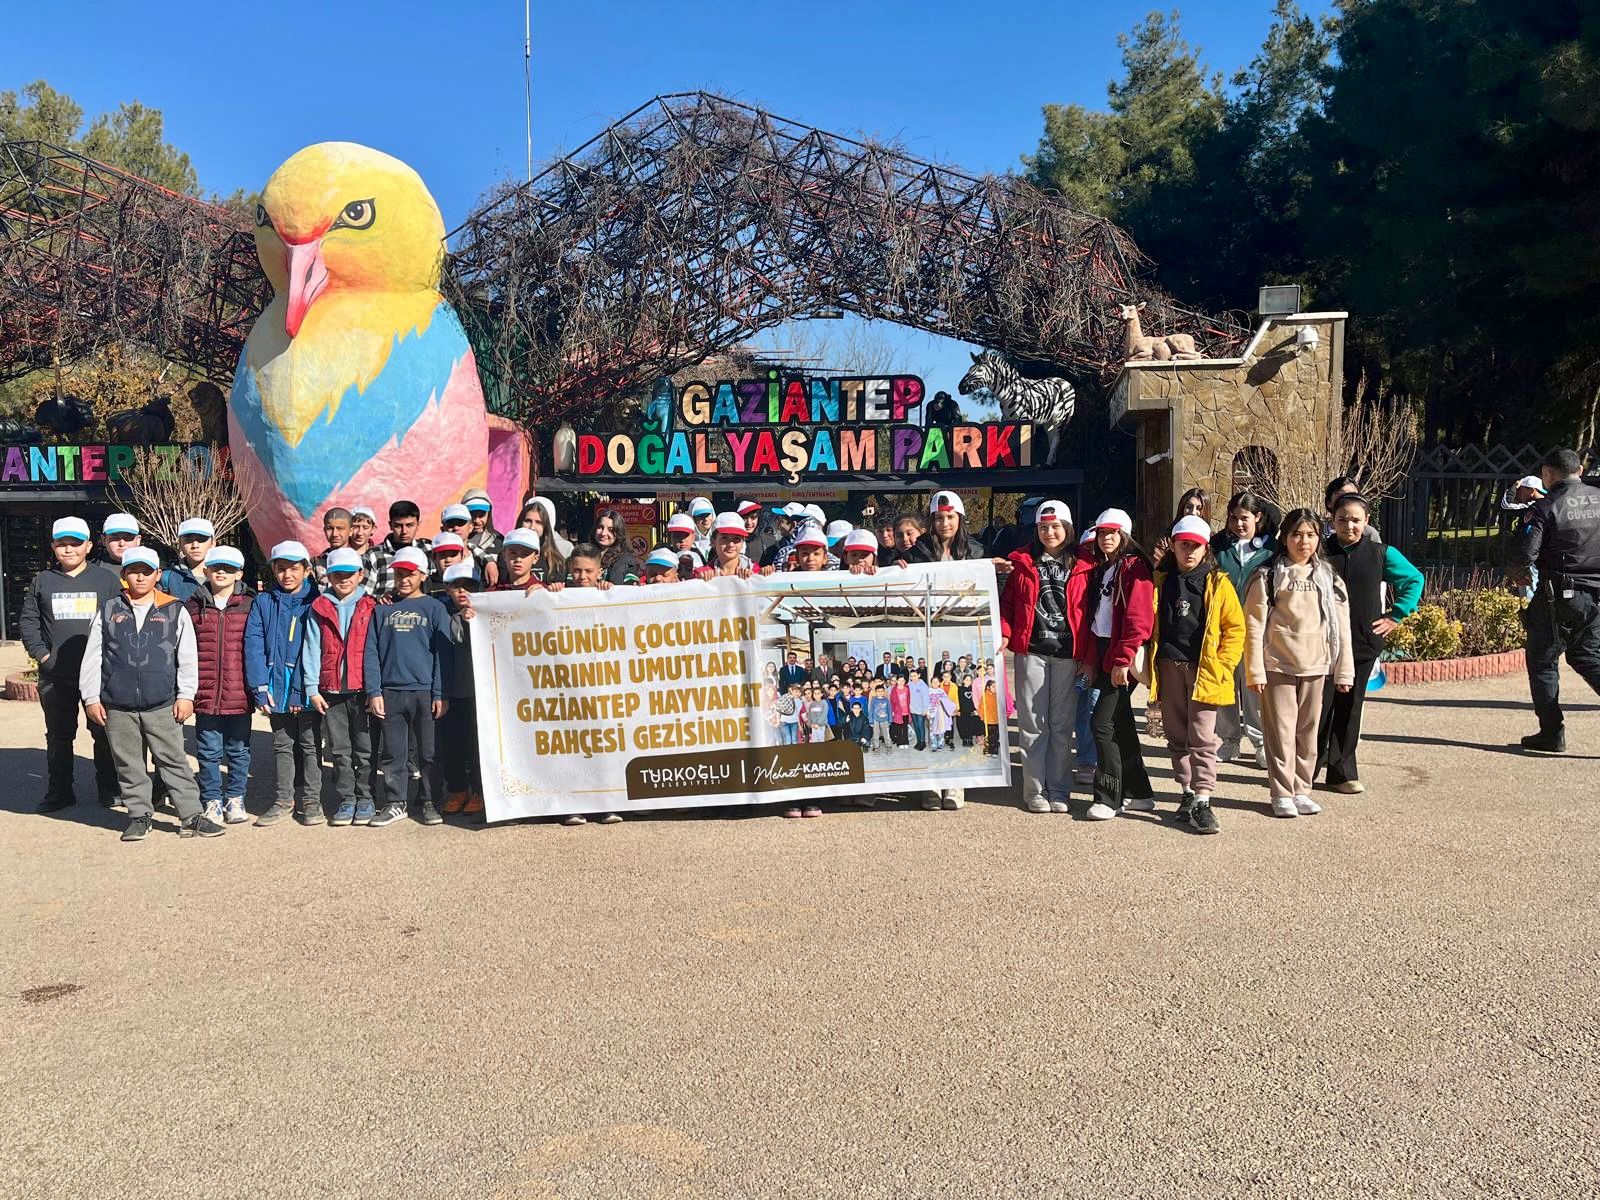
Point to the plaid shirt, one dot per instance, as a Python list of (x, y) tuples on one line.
[(378, 560)]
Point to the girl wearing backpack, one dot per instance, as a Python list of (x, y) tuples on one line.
[(1297, 619), (1198, 642), (1243, 547)]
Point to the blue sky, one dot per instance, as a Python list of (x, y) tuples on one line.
[(440, 85)]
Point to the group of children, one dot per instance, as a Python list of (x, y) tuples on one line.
[(1262, 630), (362, 652), (904, 704)]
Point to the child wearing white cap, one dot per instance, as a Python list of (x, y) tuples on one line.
[(1121, 611), (273, 638), (219, 611), (946, 539), (196, 536), (408, 648), (460, 775), (1195, 648), (118, 532), (727, 549), (333, 661), (704, 515), (138, 679), (57, 612), (1041, 617)]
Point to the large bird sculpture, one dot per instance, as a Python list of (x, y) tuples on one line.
[(356, 384)]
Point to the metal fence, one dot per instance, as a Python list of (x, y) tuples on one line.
[(1448, 517)]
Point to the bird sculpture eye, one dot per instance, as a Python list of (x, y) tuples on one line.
[(261, 215), (358, 214)]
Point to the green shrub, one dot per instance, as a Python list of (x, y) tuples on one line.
[(1426, 635), (1491, 619)]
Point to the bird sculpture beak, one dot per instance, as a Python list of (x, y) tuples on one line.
[(308, 279)]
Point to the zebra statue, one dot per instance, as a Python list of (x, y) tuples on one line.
[(1048, 403)]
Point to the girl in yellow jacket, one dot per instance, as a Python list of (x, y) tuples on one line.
[(1197, 642)]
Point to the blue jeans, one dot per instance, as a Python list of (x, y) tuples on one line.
[(788, 733), (1088, 697), (919, 729), (214, 739)]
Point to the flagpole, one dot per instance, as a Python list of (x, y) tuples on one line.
[(527, 76)]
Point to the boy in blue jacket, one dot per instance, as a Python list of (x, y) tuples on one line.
[(409, 642), (274, 637)]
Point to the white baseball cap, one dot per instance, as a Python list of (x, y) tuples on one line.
[(342, 561), (662, 557), (1053, 510), (137, 556), (1193, 529), (700, 506), (746, 507), (455, 512), (197, 527), (1531, 481), (838, 531), (792, 509), (226, 556), (75, 528), (1114, 518), (477, 500), (290, 552), (684, 523), (527, 539), (459, 571), (947, 502), (811, 534), (123, 523), (813, 512), (361, 510), (861, 539), (411, 559), (730, 523), (447, 541)]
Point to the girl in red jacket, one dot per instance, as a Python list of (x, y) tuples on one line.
[(1120, 614), (222, 704), (1042, 619)]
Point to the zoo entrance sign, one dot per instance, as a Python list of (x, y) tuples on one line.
[(93, 464), (781, 426)]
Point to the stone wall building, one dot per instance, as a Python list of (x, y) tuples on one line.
[(1212, 423)]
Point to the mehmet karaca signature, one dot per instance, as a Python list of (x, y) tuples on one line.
[(804, 772)]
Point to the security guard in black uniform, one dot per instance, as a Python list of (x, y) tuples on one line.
[(1561, 539)]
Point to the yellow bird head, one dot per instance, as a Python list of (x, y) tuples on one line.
[(337, 216)]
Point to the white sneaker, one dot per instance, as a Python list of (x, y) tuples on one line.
[(1306, 806), (1284, 806), (1145, 805), (1261, 757), (1100, 812), (1228, 751), (1036, 804), (235, 814), (213, 811), (1060, 806), (953, 798)]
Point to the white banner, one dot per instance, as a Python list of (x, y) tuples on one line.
[(722, 691)]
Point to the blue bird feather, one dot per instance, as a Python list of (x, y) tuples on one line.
[(335, 448)]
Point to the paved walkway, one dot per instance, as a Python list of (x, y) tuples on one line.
[(1400, 997)]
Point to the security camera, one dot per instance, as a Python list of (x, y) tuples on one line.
[(1306, 338)]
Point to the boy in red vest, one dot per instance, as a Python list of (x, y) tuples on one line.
[(334, 662), (219, 611)]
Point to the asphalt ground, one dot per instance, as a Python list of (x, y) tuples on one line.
[(1395, 998)]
